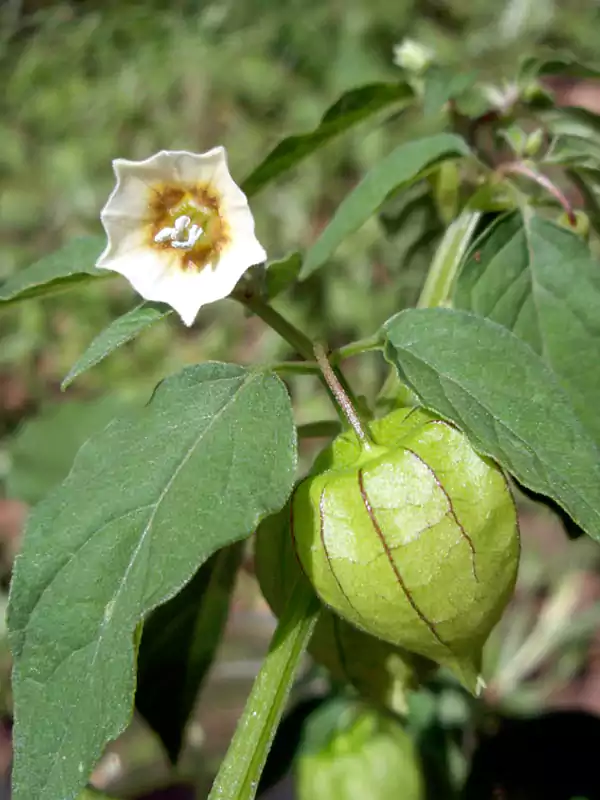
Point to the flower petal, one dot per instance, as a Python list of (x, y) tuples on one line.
[(197, 167)]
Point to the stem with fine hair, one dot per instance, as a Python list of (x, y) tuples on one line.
[(342, 398)]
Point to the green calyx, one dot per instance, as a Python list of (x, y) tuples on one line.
[(379, 671), (414, 541)]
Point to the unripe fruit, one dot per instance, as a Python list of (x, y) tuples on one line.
[(378, 670), (350, 752), (413, 540)]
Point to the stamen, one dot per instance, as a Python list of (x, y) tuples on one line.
[(164, 235), (181, 223), (195, 233), (181, 236)]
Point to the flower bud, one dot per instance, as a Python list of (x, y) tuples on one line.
[(349, 751), (413, 540), (412, 56), (378, 670)]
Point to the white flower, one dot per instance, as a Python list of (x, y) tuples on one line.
[(179, 229), (412, 55)]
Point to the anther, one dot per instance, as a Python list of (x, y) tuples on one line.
[(181, 236)]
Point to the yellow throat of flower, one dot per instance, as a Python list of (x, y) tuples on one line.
[(188, 221)]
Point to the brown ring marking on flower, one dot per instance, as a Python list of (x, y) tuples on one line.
[(202, 204), (407, 593)]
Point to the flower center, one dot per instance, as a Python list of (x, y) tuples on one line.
[(187, 219), (183, 235)]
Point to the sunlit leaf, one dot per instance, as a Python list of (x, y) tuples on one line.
[(541, 281), (149, 499), (481, 376)]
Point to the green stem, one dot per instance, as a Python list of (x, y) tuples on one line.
[(356, 348), (242, 766), (325, 428), (342, 396), (296, 368), (301, 343)]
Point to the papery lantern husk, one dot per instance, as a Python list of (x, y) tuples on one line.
[(414, 540), (379, 671)]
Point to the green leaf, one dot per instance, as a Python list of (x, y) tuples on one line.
[(73, 264), (42, 451), (574, 151), (118, 333), (351, 108), (402, 166), (178, 646), (148, 501), (541, 281), (555, 64), (573, 121), (442, 85), (281, 274), (240, 770), (479, 375)]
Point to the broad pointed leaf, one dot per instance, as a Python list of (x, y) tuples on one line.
[(148, 501), (118, 333), (352, 108), (479, 375), (178, 645), (71, 265), (401, 167), (541, 281)]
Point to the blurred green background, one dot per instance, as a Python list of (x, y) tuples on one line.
[(86, 82)]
